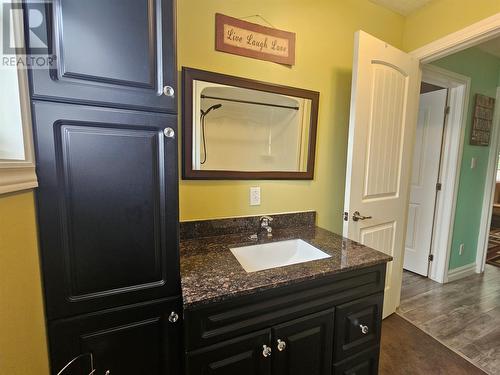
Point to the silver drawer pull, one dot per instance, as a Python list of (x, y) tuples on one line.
[(168, 91), (364, 329), (169, 132), (173, 317), (281, 345), (266, 351)]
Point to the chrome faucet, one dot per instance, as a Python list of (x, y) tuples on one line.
[(265, 225)]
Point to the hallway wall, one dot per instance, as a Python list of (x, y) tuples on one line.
[(484, 71)]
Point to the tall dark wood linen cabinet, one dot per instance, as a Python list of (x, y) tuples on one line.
[(105, 125)]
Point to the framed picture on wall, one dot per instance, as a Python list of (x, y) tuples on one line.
[(482, 120)]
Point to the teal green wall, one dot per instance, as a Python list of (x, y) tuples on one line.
[(483, 69)]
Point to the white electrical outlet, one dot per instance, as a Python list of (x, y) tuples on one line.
[(461, 249), (255, 196)]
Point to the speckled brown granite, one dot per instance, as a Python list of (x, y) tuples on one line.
[(210, 272), (249, 224)]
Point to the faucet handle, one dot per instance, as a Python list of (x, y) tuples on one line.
[(265, 222), (266, 219)]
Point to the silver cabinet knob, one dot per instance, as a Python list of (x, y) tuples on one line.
[(357, 216), (281, 345), (107, 372), (364, 329), (168, 91), (173, 317), (266, 351), (169, 132)]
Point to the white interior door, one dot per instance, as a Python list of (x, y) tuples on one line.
[(384, 100), (424, 176)]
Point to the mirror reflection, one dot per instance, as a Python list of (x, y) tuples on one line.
[(249, 130)]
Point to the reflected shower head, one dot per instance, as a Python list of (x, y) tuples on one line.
[(202, 119), (215, 106)]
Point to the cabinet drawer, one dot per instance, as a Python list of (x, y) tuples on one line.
[(365, 363), (215, 322), (240, 356), (357, 325), (130, 340)]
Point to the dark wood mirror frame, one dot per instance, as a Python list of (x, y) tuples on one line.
[(188, 173)]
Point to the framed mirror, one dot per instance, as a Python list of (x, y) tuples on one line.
[(238, 128)]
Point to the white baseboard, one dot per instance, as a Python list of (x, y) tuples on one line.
[(461, 272)]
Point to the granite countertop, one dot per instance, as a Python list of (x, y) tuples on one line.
[(210, 272)]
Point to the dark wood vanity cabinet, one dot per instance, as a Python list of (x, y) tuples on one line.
[(320, 327), (107, 215), (105, 134), (116, 53)]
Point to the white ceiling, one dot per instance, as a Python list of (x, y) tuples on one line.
[(491, 46), (403, 7)]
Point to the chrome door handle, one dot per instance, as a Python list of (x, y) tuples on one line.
[(357, 216), (266, 351), (364, 329), (281, 345)]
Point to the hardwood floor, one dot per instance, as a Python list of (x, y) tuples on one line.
[(464, 314), (406, 350)]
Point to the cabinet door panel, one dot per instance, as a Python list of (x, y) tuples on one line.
[(308, 345), (351, 318), (364, 363), (125, 341), (107, 203), (117, 52), (241, 356)]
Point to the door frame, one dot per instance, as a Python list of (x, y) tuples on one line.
[(453, 140), (489, 189), (467, 37)]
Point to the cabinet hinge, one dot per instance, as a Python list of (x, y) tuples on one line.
[(447, 110), (439, 186), (346, 216), (431, 257)]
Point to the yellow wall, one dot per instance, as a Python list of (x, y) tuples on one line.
[(442, 17), (23, 348), (325, 30)]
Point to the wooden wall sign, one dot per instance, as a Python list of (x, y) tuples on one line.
[(252, 40), (482, 120)]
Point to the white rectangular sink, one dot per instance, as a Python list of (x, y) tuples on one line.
[(276, 254)]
